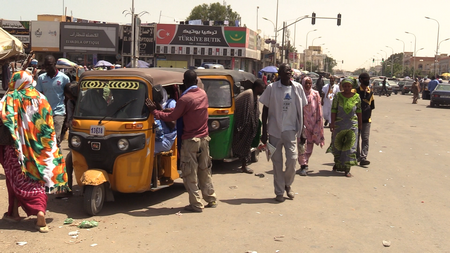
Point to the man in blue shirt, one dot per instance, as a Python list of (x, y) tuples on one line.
[(432, 84), (51, 84)]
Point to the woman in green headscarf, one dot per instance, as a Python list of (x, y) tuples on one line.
[(346, 120)]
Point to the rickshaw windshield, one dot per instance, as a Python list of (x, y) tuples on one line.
[(218, 91), (112, 100)]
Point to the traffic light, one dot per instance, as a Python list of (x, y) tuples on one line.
[(313, 19), (373, 60), (339, 19), (382, 59), (342, 61)]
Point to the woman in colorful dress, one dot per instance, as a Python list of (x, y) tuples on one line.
[(313, 121), (32, 162), (346, 120)]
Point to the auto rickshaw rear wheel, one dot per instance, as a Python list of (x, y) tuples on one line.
[(94, 197)]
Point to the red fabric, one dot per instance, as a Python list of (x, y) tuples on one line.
[(193, 107), (30, 194)]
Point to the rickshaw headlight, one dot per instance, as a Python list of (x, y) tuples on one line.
[(123, 144), (215, 124), (76, 141)]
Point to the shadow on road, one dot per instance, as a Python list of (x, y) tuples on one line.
[(325, 173), (24, 225), (134, 204), (249, 201), (220, 167)]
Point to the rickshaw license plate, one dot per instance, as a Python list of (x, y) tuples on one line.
[(97, 130)]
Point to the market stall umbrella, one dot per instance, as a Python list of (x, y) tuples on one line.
[(9, 45), (62, 63), (103, 63), (445, 74), (140, 64), (270, 69)]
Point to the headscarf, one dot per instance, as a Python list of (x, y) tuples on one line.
[(20, 80), (351, 81), (306, 78), (28, 116)]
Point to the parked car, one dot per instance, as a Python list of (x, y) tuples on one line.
[(394, 85), (211, 65), (377, 87), (405, 86), (440, 95)]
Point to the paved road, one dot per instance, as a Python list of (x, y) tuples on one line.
[(402, 197)]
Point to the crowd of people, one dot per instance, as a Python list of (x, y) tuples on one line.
[(294, 116)]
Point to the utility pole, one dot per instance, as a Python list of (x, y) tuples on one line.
[(282, 43)]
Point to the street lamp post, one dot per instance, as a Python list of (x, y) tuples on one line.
[(275, 37), (414, 55), (381, 64), (306, 48), (403, 59), (257, 10), (312, 57), (437, 44), (385, 58), (392, 61), (300, 58), (440, 47)]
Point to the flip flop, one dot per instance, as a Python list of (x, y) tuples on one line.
[(44, 229), (247, 170), (6, 217)]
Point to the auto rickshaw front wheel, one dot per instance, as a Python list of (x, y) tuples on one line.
[(94, 197)]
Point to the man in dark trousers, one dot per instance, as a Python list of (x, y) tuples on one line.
[(367, 105), (195, 162), (383, 87)]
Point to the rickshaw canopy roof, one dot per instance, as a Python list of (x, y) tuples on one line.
[(238, 76), (154, 76)]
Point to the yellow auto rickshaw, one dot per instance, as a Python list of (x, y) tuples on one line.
[(112, 139), (222, 86)]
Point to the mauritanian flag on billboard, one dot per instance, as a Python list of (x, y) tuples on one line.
[(236, 36)]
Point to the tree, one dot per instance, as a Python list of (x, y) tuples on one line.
[(214, 12), (359, 71)]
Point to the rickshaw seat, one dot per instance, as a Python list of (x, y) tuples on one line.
[(165, 153)]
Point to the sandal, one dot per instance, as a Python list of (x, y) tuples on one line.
[(247, 170), (348, 174), (44, 229), (6, 217)]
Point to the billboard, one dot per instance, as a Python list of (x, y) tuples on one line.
[(146, 43), (45, 36), (20, 30), (87, 37)]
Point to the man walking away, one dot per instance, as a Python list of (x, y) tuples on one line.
[(384, 88), (282, 119), (367, 105), (415, 90), (195, 162), (246, 122), (52, 84)]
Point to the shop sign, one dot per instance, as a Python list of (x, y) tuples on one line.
[(87, 37), (146, 39)]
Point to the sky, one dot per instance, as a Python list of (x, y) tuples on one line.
[(367, 26)]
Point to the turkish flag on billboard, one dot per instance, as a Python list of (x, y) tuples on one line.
[(165, 33)]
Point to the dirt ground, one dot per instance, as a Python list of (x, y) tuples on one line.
[(401, 197)]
